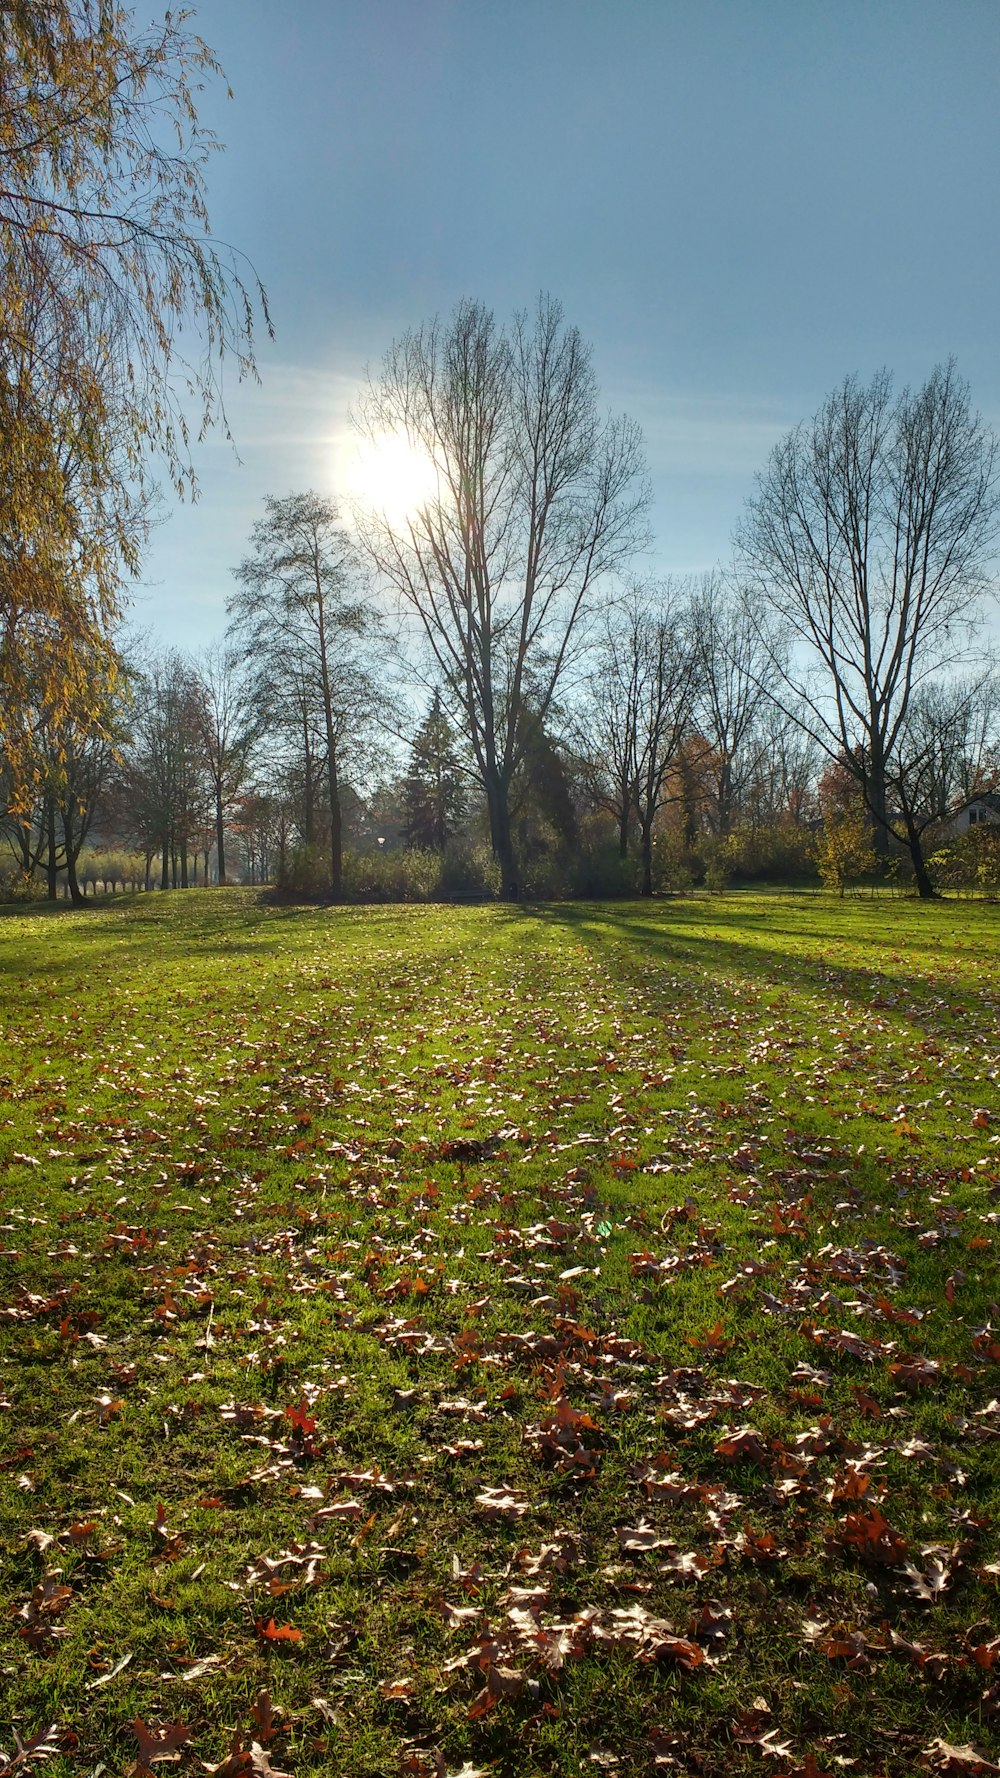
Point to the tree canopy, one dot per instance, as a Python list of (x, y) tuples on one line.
[(538, 499), (871, 533), (105, 257)]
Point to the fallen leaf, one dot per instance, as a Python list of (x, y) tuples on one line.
[(942, 1756), (43, 1745), (160, 1744), (499, 1503), (272, 1632), (94, 1685)]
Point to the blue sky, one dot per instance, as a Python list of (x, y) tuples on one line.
[(737, 201)]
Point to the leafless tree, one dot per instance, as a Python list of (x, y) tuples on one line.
[(642, 695), (613, 714), (300, 615), (229, 724), (783, 784), (669, 664), (162, 791), (870, 534), (538, 499), (947, 755), (77, 759), (732, 657)]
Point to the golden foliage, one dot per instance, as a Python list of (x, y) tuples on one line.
[(104, 252)]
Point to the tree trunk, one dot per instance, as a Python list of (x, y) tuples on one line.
[(23, 838), (502, 839), (72, 844), (220, 836), (725, 804), (877, 799), (309, 808), (336, 828), (76, 894), (165, 871), (646, 841), (623, 831), (925, 888), (50, 833)]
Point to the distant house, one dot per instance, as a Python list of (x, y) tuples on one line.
[(982, 811)]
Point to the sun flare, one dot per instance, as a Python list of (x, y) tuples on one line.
[(392, 476)]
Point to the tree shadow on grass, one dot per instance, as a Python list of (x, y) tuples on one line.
[(157, 924), (725, 944)]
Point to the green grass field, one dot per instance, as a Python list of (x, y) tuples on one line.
[(560, 1340)]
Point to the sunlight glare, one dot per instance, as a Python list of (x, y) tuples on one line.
[(393, 477)]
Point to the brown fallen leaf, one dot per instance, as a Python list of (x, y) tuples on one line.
[(499, 1503), (43, 1745), (711, 1622), (267, 1719), (963, 1762), (340, 1509), (930, 1661), (641, 1537), (208, 1664), (916, 1372), (160, 1744), (244, 1762), (236, 1763), (745, 1445), (260, 1764), (749, 1730), (711, 1339), (659, 1646), (873, 1538), (397, 1688)]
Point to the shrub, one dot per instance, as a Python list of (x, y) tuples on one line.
[(674, 865), (844, 850), (19, 886), (776, 852), (599, 873), (545, 877), (411, 875), (720, 859), (969, 862), (468, 867), (306, 872)]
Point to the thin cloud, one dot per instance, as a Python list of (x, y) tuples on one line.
[(704, 435)]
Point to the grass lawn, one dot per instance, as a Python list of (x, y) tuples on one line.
[(560, 1340)]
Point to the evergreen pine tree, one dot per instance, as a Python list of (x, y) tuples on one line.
[(433, 795)]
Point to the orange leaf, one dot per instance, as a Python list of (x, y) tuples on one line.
[(272, 1632)]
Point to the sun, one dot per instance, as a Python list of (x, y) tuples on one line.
[(392, 477)]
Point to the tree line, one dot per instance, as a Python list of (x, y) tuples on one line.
[(497, 630), (282, 754)]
